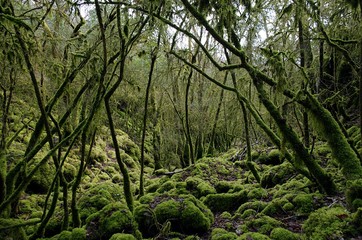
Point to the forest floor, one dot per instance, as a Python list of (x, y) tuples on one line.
[(215, 198)]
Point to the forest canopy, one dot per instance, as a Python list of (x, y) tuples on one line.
[(132, 119)]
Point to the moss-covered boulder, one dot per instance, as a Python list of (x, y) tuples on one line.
[(283, 234), (146, 220), (113, 218), (222, 234), (122, 236), (260, 223), (221, 202), (257, 206), (98, 196), (277, 175), (253, 236), (186, 214), (328, 223), (304, 203), (199, 187)]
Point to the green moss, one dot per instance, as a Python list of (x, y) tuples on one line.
[(204, 189), (248, 213), (283, 234), (97, 197), (192, 182), (357, 219), (303, 203), (223, 186), (146, 220), (322, 150), (221, 202), (166, 186), (79, 234), (122, 236), (263, 224), (185, 213), (253, 236), (263, 158), (327, 223), (65, 235), (258, 206), (277, 175), (257, 193), (222, 234), (113, 218), (275, 206), (274, 157), (254, 155), (354, 192), (288, 207)]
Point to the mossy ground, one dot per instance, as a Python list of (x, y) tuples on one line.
[(216, 198)]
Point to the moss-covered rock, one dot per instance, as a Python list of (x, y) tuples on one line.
[(98, 196), (275, 206), (222, 234), (274, 157), (304, 203), (261, 223), (223, 186), (257, 206), (166, 186), (146, 220), (277, 175), (221, 202), (257, 193), (184, 215), (328, 223), (113, 218), (253, 236), (79, 234), (354, 194), (283, 234), (122, 236)]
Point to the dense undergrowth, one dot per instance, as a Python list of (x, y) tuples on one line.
[(216, 198)]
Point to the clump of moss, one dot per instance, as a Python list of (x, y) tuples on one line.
[(223, 186), (275, 206), (257, 193), (328, 223), (322, 150), (42, 180), (274, 157), (198, 187), (79, 234), (185, 213), (113, 218), (303, 203), (122, 236), (221, 202), (146, 220), (277, 175), (97, 197), (283, 234), (262, 224), (354, 194), (222, 234), (257, 206), (166, 186), (253, 236)]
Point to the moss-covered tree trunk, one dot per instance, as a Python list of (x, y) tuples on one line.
[(301, 153), (330, 130)]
